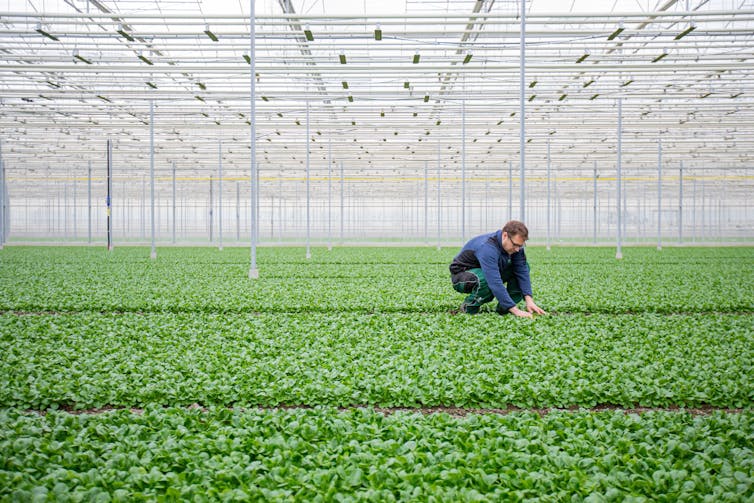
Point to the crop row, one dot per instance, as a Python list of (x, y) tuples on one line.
[(82, 328), (90, 360), (364, 280), (328, 455), (81, 256)]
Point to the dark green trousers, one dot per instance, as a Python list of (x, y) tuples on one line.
[(475, 284)]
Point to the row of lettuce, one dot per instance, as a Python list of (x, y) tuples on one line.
[(201, 365), (329, 455), (365, 280), (88, 360)]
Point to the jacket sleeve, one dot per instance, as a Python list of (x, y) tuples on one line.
[(521, 271), (488, 259)]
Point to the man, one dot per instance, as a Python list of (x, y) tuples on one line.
[(486, 263)]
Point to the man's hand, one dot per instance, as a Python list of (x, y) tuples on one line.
[(531, 307), (518, 312)]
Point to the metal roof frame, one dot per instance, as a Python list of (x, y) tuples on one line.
[(69, 80)]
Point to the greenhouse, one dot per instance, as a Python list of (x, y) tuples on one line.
[(226, 229), (416, 122)]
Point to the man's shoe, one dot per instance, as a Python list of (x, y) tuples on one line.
[(469, 309)]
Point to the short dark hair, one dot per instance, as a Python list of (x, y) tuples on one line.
[(516, 228)]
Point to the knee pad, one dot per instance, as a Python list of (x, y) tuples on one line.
[(467, 281)]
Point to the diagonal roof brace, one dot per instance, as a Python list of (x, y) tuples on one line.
[(469, 35), (303, 45), (668, 4)]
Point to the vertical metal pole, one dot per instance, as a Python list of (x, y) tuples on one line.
[(584, 214), (329, 191), (3, 230), (153, 254), (49, 215), (439, 206), (159, 212), (6, 208), (211, 210), (704, 210), (426, 202), (548, 194), (280, 209), (108, 199), (594, 206), (463, 171), (486, 200), (256, 195), (510, 189), (238, 212), (659, 194), (308, 197), (522, 100), (342, 217), (89, 202), (720, 217), (619, 253), (693, 210), (125, 214), (556, 209), (2, 198), (680, 204), (720, 207), (173, 202), (253, 271), (642, 212), (65, 209), (75, 213), (625, 210), (44, 208), (275, 206), (143, 214), (220, 192)]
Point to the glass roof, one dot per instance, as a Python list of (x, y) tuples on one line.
[(382, 87)]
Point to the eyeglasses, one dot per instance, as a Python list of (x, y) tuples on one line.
[(517, 245)]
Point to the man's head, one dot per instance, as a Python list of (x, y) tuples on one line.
[(515, 235)]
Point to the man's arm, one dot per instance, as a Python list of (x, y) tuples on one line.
[(488, 261), (531, 307), (521, 271)]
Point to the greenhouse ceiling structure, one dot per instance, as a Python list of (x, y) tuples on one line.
[(390, 121)]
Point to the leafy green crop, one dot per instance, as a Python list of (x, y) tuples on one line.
[(364, 280), (324, 454), (83, 328), (90, 360)]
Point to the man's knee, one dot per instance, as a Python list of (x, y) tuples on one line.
[(465, 282)]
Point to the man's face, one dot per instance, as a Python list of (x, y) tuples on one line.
[(512, 243)]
